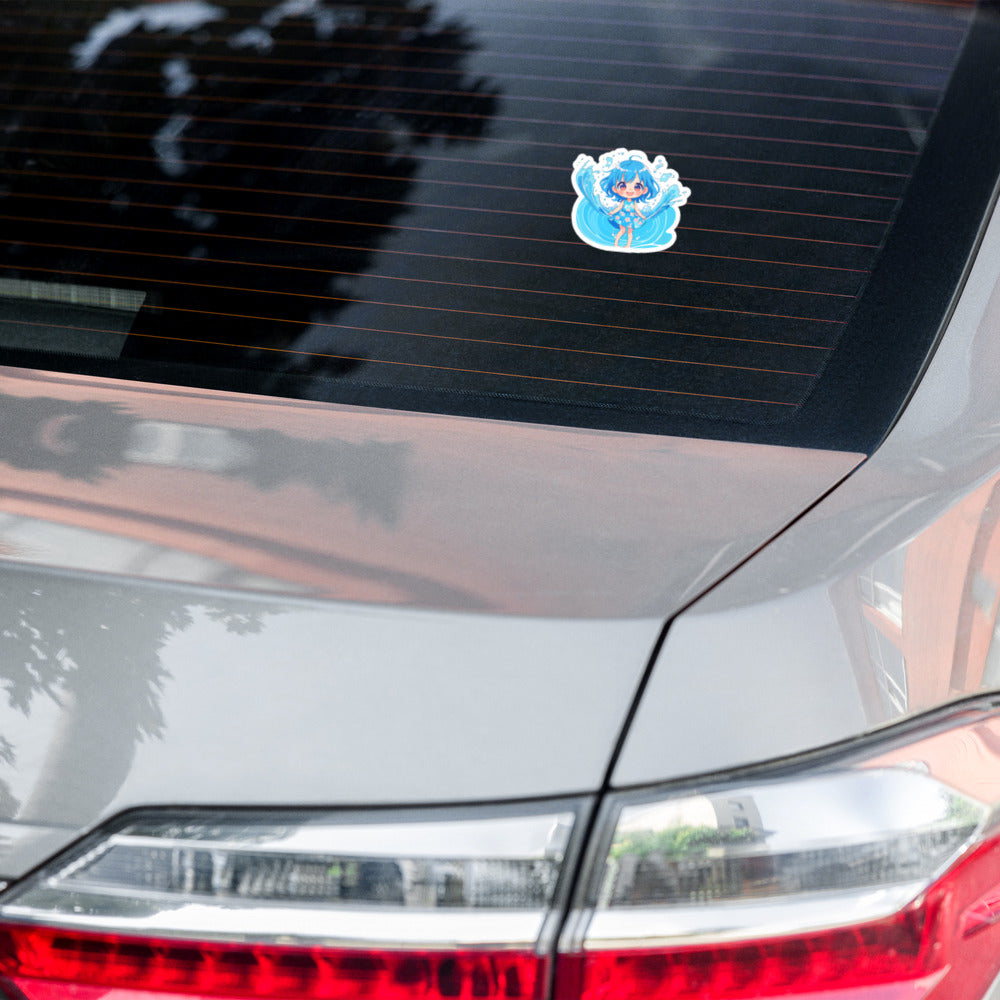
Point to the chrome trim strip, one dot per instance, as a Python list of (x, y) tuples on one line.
[(355, 928), (674, 926), (516, 837)]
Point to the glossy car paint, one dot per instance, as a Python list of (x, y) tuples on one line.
[(450, 610), (879, 604), (382, 506), (186, 697)]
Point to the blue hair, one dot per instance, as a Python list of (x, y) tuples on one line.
[(629, 170)]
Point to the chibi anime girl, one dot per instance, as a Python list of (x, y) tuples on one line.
[(627, 204)]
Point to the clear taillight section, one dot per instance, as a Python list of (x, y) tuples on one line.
[(262, 863), (872, 876), (294, 905), (784, 841)]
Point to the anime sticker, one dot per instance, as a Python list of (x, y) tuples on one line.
[(627, 204)]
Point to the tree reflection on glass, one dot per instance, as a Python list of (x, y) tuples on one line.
[(235, 163)]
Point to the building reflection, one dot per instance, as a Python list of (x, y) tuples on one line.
[(929, 623)]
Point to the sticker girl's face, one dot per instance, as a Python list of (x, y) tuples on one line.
[(630, 189)]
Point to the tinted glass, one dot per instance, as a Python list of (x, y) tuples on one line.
[(371, 202)]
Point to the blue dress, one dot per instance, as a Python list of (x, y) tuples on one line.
[(627, 215)]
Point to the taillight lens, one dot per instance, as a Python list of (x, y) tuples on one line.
[(876, 878), (294, 905), (872, 876)]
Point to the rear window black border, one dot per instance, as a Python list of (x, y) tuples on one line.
[(921, 269)]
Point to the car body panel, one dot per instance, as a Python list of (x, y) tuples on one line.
[(151, 694), (449, 610), (879, 604), (383, 506)]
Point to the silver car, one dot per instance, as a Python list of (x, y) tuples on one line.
[(499, 500)]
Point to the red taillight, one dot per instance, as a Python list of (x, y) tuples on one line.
[(44, 963), (938, 943), (893, 958)]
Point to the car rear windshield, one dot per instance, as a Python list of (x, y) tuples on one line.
[(373, 203)]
